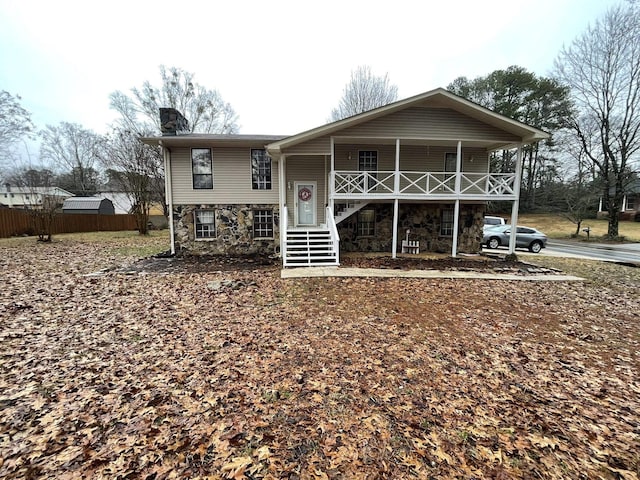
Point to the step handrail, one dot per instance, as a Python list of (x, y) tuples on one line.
[(333, 230)]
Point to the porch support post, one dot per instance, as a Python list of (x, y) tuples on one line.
[(458, 168), (456, 224), (624, 203), (395, 229), (282, 180), (600, 205), (456, 208), (516, 203), (332, 176), (396, 175), (168, 191)]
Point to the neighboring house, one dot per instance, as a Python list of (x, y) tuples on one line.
[(31, 197), (630, 209), (93, 205), (358, 184), (122, 203)]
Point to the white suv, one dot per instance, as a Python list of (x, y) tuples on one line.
[(493, 221)]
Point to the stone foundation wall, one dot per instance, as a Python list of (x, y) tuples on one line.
[(234, 230), (423, 221)]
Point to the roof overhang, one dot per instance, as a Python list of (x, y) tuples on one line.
[(217, 140)]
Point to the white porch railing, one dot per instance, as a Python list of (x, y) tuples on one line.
[(417, 184), (363, 182)]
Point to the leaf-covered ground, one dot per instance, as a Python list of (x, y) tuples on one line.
[(235, 373)]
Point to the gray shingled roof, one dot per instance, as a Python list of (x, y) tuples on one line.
[(82, 203), (214, 138)]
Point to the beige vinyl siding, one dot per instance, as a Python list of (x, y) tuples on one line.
[(428, 123), (412, 158), (231, 178), (305, 169), (321, 145)]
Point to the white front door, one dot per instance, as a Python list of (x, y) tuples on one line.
[(306, 193)]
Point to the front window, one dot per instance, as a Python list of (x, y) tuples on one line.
[(631, 202), (368, 162), (202, 168), (263, 223), (366, 223), (450, 160), (205, 223), (446, 223), (260, 169)]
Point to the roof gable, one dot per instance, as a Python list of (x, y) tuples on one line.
[(434, 99)]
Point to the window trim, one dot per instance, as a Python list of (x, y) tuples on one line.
[(214, 235), (193, 174), (272, 224), (372, 227), (442, 232), (266, 156)]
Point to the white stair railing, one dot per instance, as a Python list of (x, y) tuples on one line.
[(335, 236)]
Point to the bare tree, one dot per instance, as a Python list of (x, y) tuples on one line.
[(15, 124), (364, 91), (580, 190), (42, 200), (602, 68), (205, 109), (73, 149), (135, 167)]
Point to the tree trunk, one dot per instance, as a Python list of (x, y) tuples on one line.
[(578, 223), (615, 204)]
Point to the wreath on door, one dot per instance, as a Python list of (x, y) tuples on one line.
[(304, 194)]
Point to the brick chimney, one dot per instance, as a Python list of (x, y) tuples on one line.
[(172, 122)]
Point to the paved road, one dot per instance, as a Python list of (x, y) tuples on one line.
[(625, 253)]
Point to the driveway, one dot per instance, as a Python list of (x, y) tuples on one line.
[(622, 253)]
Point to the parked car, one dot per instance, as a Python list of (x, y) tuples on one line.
[(490, 221), (493, 221), (526, 237)]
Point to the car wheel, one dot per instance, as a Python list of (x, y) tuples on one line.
[(493, 242), (535, 247)]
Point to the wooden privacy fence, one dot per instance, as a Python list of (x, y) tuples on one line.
[(19, 222)]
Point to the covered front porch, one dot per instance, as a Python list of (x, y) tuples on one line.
[(324, 190)]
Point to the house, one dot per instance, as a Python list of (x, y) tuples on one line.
[(31, 197), (630, 209), (93, 205), (416, 169)]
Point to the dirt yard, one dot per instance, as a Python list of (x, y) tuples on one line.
[(217, 369)]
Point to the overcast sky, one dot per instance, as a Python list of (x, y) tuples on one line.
[(281, 65)]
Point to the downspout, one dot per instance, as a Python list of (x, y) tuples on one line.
[(516, 203), (166, 154)]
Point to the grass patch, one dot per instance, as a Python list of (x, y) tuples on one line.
[(557, 226), (122, 243), (603, 274)]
